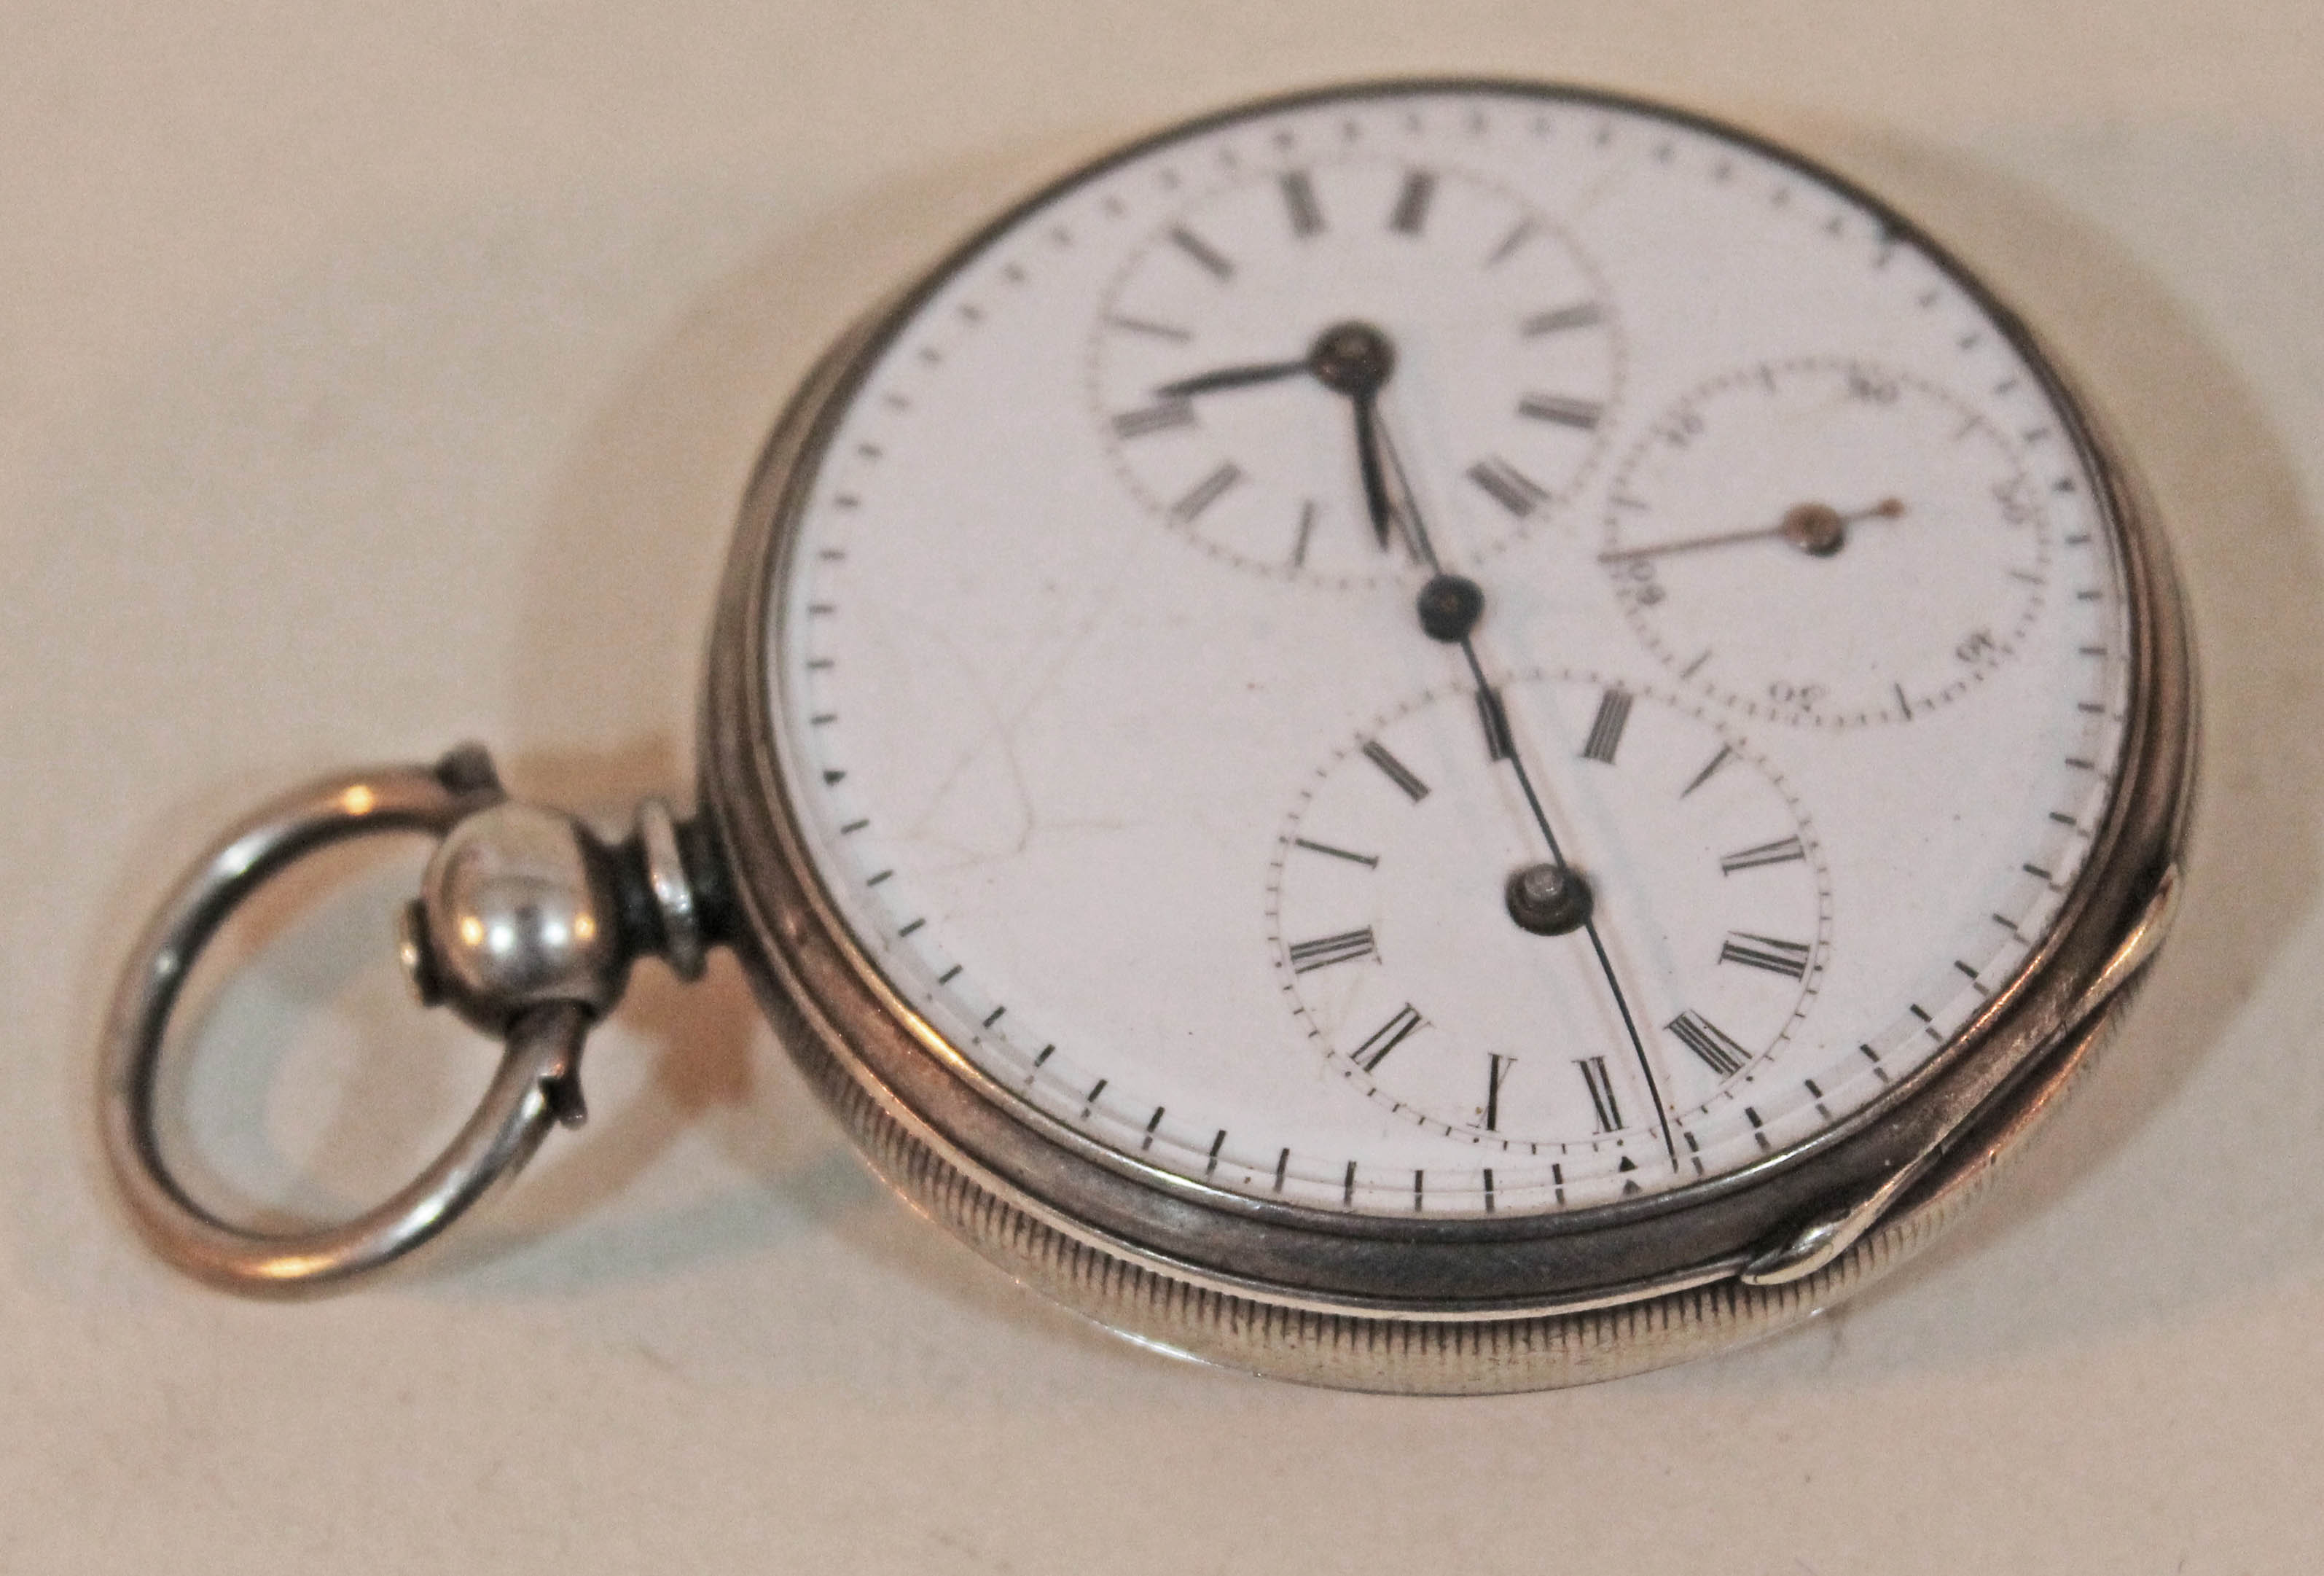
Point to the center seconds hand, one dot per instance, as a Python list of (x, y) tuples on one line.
[(1355, 358)]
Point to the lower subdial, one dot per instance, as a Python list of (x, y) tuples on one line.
[(1420, 934)]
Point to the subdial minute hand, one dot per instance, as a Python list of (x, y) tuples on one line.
[(1355, 359)]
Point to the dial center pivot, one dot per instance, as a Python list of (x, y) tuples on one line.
[(1549, 899), (1821, 531), (1351, 358), (1450, 606), (1818, 530)]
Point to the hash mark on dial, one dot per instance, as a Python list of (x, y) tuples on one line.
[(1411, 213), (1299, 197), (1205, 492)]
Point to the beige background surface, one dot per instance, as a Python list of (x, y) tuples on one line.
[(374, 377)]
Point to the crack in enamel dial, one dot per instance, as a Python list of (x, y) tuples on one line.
[(1039, 753)]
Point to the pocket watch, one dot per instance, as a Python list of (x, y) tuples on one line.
[(1439, 736)]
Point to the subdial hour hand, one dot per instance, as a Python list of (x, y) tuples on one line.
[(1226, 377), (1355, 359), (1818, 530)]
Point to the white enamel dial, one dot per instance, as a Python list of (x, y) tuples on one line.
[(1061, 718)]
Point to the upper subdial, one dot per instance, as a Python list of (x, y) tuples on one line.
[(1827, 541), (1203, 360), (1442, 983)]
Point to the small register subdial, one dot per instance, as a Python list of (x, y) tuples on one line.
[(1207, 361), (1409, 870), (1827, 541)]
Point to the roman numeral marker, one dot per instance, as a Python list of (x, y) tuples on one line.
[(1299, 198), (1602, 1093), (1563, 410), (1511, 488), (1159, 417), (1326, 950), (1395, 770), (1496, 1072), (1766, 952), (1605, 728), (1205, 492), (1203, 252), (1412, 202), (1707, 1040), (1146, 325), (1499, 743), (1782, 851), (1586, 314), (1306, 529), (1387, 1037), (1369, 861)]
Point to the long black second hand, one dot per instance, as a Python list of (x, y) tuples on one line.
[(1590, 925), (1373, 443)]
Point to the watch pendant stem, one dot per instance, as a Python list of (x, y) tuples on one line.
[(526, 926)]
